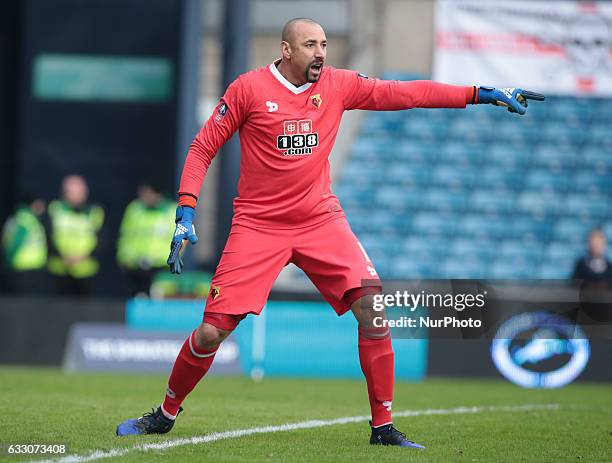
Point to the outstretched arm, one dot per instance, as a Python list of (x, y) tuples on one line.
[(361, 92)]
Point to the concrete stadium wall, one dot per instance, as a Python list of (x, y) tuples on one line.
[(407, 36)]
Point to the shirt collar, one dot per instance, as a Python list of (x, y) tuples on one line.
[(276, 73)]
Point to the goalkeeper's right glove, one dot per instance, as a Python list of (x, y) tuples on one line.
[(185, 231)]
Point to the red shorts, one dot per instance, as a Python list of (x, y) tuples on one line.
[(328, 253)]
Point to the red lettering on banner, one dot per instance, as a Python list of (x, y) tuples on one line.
[(500, 43)]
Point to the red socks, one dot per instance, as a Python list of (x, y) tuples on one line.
[(376, 358), (190, 366)]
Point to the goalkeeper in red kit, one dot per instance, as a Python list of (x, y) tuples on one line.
[(288, 115)]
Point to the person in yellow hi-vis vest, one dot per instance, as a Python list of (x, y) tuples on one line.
[(74, 229), (24, 246), (142, 249)]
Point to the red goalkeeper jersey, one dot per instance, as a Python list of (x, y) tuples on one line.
[(287, 134)]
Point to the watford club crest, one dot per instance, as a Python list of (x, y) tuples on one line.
[(316, 100), (215, 292)]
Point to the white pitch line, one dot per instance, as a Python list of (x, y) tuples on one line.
[(217, 436)]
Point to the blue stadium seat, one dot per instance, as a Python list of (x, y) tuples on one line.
[(565, 251), (587, 206), (434, 224), (407, 174), (423, 129), (467, 249), (595, 158), (443, 200), (556, 270), (453, 177), (603, 112), (513, 269), (482, 227), (462, 269), (494, 178), (487, 201), (374, 244), (607, 229), (416, 151), (538, 204), (521, 250), (517, 132), (382, 123), (539, 113), (374, 149), (380, 222), (593, 182), (572, 230), (468, 128), (509, 130), (358, 174), (600, 134), (405, 267), (569, 111), (506, 155), (530, 229), (554, 157), (559, 132), (460, 153), (479, 115), (422, 248), (435, 115), (394, 199), (545, 180), (352, 195)]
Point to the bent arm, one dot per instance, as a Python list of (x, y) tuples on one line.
[(225, 120)]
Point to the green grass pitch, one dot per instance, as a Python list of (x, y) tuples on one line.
[(82, 410)]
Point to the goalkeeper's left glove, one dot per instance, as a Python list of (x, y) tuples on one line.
[(515, 99)]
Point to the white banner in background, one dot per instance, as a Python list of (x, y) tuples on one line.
[(552, 47)]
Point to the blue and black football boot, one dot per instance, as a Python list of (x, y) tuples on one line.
[(153, 422), (388, 435)]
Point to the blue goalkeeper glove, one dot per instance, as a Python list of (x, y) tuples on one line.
[(515, 99), (185, 231)]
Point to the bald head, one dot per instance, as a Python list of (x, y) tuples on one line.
[(289, 31), (597, 243), (303, 50)]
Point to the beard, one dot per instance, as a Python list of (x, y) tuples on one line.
[(312, 74)]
